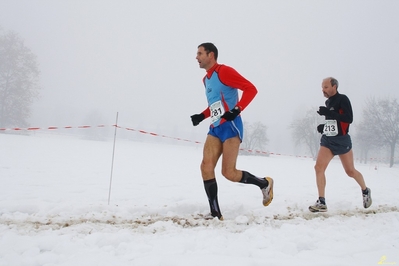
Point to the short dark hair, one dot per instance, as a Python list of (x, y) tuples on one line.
[(333, 82), (209, 47)]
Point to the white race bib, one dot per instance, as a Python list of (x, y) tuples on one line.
[(217, 110), (330, 128)]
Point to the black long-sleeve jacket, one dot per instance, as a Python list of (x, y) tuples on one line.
[(341, 108)]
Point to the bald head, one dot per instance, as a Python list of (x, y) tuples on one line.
[(333, 82), (329, 87)]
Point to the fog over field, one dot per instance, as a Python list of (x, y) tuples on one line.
[(138, 58)]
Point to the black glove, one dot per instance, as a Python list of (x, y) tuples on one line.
[(320, 128), (324, 111), (197, 118), (232, 114)]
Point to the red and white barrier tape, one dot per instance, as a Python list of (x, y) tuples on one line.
[(47, 128), (372, 160)]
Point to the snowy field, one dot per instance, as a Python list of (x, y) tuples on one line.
[(54, 210)]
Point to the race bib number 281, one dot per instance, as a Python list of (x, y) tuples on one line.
[(330, 128), (217, 110)]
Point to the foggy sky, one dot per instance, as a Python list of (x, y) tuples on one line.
[(138, 58)]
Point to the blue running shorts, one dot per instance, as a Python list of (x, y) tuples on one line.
[(337, 144), (228, 129)]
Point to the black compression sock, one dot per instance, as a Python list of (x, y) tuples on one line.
[(248, 178), (211, 189)]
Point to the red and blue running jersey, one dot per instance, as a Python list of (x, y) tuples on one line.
[(221, 88)]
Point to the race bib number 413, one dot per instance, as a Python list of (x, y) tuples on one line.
[(330, 128), (217, 110)]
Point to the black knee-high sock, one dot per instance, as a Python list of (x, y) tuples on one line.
[(211, 189), (248, 178)]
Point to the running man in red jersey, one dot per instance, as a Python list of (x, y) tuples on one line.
[(226, 128), (335, 140)]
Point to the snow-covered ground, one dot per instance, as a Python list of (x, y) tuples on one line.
[(54, 210)]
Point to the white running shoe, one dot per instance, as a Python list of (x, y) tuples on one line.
[(318, 207), (367, 199), (268, 192)]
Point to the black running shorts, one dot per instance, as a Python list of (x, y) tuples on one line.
[(337, 144)]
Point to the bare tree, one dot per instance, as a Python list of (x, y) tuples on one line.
[(381, 120), (305, 131), (19, 75), (255, 138)]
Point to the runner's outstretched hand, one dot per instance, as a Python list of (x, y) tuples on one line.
[(197, 118), (323, 111), (328, 113)]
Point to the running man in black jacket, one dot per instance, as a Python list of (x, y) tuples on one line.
[(336, 141)]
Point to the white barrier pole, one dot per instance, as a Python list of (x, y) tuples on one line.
[(112, 162)]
